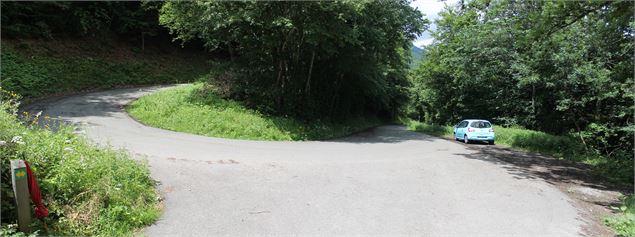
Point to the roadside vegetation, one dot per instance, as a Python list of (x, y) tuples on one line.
[(35, 68), (195, 109), (88, 190), (624, 222)]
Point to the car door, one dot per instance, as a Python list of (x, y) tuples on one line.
[(456, 129), (460, 130)]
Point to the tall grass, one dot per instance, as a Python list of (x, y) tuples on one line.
[(88, 190), (195, 109)]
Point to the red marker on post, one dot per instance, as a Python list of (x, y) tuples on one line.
[(36, 195)]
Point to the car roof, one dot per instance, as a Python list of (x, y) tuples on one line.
[(472, 120)]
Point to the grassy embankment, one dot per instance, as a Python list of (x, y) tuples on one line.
[(34, 69), (564, 147), (195, 109), (89, 190)]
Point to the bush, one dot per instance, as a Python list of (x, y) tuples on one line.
[(88, 190)]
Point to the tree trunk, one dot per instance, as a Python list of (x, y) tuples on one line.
[(533, 99), (307, 87), (577, 127)]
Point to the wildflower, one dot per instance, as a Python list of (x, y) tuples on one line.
[(68, 149), (2, 143), (17, 140)]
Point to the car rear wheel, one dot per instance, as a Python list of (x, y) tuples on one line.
[(491, 142), (467, 141)]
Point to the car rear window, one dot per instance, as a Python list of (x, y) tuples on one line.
[(481, 124)]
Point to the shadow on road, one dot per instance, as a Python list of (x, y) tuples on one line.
[(385, 134), (74, 107), (522, 165)]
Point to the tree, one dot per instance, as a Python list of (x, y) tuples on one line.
[(563, 67), (307, 59)]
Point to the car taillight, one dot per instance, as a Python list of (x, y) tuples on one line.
[(471, 130), (491, 130)]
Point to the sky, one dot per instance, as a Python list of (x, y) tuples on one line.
[(431, 9)]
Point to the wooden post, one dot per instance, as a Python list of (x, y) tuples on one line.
[(21, 193)]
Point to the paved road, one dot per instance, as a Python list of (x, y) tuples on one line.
[(387, 181)]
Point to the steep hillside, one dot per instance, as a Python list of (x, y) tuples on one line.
[(36, 68)]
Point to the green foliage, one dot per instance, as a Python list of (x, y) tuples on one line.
[(88, 190), (562, 67), (618, 171), (432, 129), (197, 109), (350, 62), (624, 223), (11, 230), (50, 19), (38, 71)]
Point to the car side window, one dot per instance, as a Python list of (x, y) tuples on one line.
[(463, 124)]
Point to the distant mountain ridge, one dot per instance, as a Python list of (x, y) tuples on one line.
[(417, 54)]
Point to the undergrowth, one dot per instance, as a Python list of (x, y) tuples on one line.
[(40, 69)]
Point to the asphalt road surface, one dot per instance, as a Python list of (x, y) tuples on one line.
[(386, 181)]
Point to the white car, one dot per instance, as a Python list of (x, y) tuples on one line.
[(474, 130)]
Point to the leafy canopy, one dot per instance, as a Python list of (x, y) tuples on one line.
[(306, 59)]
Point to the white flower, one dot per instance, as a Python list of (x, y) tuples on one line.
[(68, 149), (18, 140), (38, 114), (2, 143)]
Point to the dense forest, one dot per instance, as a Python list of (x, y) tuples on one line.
[(563, 67)]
